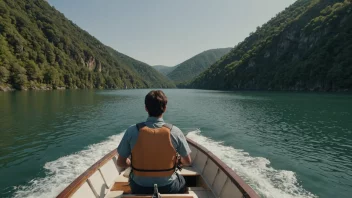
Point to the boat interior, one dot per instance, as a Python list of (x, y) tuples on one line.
[(208, 177)]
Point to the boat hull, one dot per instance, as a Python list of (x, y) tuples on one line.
[(207, 177)]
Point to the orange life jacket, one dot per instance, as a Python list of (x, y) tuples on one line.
[(153, 154)]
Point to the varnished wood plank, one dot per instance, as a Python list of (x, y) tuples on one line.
[(162, 195), (122, 186)]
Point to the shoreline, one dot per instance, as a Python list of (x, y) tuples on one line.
[(9, 88)]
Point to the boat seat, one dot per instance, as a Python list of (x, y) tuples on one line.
[(121, 186), (194, 192), (188, 171), (121, 178), (114, 194), (122, 189), (162, 195), (200, 192)]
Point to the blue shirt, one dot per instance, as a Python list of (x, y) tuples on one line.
[(130, 138)]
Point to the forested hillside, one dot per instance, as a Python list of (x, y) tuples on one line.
[(165, 70), (308, 46), (41, 49), (192, 67)]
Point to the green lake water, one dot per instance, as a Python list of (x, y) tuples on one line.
[(282, 144)]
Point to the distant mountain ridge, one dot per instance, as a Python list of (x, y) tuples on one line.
[(192, 67), (41, 49), (307, 46), (165, 70)]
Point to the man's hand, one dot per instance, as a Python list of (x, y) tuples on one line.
[(186, 161), (123, 162), (128, 161)]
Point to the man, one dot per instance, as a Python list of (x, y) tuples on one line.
[(152, 146)]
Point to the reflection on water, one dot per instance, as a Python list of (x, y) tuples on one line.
[(307, 133)]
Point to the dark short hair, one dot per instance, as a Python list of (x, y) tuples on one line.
[(155, 102)]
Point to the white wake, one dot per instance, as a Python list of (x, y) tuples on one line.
[(256, 171), (61, 172)]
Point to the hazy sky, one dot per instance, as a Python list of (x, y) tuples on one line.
[(165, 32)]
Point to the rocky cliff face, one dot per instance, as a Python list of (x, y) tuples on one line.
[(92, 64), (306, 47)]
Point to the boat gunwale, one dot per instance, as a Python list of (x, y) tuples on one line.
[(79, 181), (245, 189)]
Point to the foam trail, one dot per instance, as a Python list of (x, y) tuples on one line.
[(256, 171), (61, 172), (265, 180)]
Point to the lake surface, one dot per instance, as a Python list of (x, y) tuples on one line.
[(282, 144)]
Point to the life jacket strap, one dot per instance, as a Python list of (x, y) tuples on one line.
[(140, 125)]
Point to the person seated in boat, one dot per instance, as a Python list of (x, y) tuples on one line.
[(153, 146)]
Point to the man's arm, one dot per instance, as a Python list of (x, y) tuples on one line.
[(183, 148), (124, 150)]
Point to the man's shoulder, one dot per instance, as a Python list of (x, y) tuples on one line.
[(175, 129), (132, 129), (133, 126)]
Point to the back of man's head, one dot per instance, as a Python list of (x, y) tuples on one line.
[(155, 102)]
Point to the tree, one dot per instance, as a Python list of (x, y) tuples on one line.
[(110, 82), (4, 74), (5, 53), (17, 69), (52, 77), (33, 71), (18, 76), (21, 81), (3, 9)]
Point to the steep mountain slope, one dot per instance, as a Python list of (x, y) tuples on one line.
[(194, 66), (308, 46), (148, 73), (165, 70), (41, 49)]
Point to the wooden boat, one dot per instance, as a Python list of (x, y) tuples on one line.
[(208, 177)]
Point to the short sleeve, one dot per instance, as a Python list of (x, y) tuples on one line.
[(182, 146), (124, 148)]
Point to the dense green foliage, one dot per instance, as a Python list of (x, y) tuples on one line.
[(41, 49), (308, 46), (192, 67), (165, 70)]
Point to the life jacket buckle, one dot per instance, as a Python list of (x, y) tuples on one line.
[(178, 162)]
